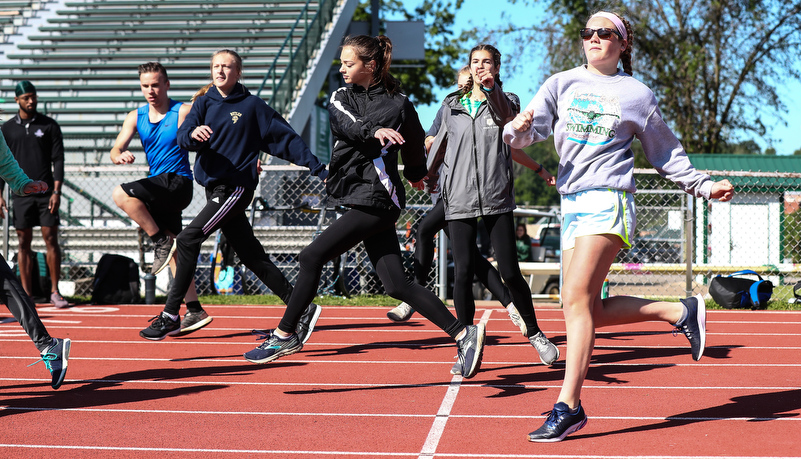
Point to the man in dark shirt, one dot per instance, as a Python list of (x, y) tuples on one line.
[(35, 141)]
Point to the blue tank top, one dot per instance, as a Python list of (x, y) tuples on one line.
[(160, 143)]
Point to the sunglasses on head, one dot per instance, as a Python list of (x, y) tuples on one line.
[(603, 33)]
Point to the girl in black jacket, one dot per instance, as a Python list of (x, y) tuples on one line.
[(371, 122)]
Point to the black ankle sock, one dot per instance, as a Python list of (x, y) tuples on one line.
[(158, 236), (194, 306)]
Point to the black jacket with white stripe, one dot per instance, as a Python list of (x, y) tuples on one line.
[(362, 172)]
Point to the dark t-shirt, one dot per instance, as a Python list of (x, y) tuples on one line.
[(38, 147)]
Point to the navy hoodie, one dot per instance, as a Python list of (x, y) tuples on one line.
[(242, 126)]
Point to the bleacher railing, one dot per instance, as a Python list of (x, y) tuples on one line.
[(285, 84)]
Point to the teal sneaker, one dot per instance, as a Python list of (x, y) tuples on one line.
[(55, 359)]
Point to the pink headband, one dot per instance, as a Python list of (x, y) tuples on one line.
[(615, 20)]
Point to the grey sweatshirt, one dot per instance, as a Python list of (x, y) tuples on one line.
[(595, 119)]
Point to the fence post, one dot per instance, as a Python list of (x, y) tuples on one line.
[(442, 264), (689, 225)]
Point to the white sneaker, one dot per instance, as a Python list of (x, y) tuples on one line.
[(516, 319), (401, 313)]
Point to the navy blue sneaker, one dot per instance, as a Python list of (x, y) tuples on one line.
[(160, 327), (274, 347), (307, 322), (559, 424), (471, 349), (55, 358), (694, 325)]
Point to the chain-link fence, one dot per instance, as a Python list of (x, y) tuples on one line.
[(285, 215), (680, 244)]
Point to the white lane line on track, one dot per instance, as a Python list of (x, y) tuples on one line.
[(388, 415), (438, 427), (298, 453), (419, 362), (476, 385)]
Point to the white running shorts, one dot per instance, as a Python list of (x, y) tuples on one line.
[(598, 211)]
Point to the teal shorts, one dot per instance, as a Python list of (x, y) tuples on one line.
[(598, 211)]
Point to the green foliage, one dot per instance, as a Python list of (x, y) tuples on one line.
[(791, 237), (443, 53), (530, 188), (748, 147), (715, 67)]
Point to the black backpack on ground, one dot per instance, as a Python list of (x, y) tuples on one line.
[(116, 281)]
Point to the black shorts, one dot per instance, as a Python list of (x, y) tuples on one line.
[(30, 211), (165, 196)]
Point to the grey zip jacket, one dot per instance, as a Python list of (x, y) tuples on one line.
[(476, 175)]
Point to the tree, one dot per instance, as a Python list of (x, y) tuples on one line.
[(530, 188), (715, 67), (443, 53)]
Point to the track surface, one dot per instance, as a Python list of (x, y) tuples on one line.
[(365, 387)]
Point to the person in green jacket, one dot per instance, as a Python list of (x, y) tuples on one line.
[(54, 351)]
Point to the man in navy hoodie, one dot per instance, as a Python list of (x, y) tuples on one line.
[(228, 128)]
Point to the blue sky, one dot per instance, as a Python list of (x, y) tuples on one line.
[(525, 83)]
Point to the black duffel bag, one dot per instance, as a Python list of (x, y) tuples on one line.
[(734, 292)]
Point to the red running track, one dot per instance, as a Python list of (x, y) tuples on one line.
[(365, 387)]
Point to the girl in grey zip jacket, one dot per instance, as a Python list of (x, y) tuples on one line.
[(477, 181), (477, 176)]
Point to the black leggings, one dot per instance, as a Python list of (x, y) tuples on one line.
[(429, 226), (377, 229), (501, 230), (22, 307), (224, 209)]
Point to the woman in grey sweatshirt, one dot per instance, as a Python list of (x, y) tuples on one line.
[(595, 112)]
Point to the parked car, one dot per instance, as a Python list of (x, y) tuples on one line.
[(652, 250)]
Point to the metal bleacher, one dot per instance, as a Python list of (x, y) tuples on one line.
[(83, 57)]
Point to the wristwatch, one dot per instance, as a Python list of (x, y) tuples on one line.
[(56, 191)]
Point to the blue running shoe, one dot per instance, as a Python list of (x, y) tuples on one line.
[(274, 347), (55, 358), (559, 424), (307, 322), (694, 325), (471, 349)]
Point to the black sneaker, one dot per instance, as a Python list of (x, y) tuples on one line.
[(193, 321), (274, 347), (307, 322), (163, 251), (160, 327), (559, 424), (471, 349), (694, 325), (55, 358)]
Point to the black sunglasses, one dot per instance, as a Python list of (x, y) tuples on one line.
[(603, 33)]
